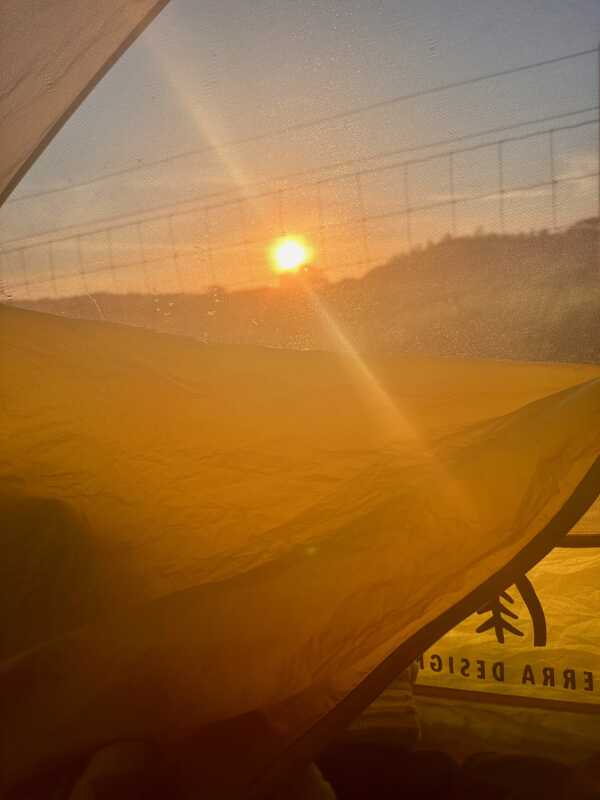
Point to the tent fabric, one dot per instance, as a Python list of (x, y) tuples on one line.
[(392, 717), (566, 582), (217, 535), (562, 677), (52, 55)]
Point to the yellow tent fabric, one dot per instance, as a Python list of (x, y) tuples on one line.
[(261, 536), (51, 56), (559, 680)]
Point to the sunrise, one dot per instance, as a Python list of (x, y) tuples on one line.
[(290, 253), (299, 400)]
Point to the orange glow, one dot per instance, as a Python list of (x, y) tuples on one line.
[(290, 253)]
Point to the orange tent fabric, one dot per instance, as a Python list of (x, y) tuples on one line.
[(270, 535)]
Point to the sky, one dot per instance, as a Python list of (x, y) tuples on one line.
[(203, 75)]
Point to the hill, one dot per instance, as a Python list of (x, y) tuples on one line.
[(532, 296)]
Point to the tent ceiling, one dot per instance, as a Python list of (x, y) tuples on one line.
[(51, 57)]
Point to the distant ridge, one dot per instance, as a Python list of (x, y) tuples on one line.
[(532, 296)]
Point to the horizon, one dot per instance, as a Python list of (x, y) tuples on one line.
[(310, 268), (526, 296)]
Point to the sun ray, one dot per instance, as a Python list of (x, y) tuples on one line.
[(206, 122), (395, 426)]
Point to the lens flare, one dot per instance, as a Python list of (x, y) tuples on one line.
[(290, 253)]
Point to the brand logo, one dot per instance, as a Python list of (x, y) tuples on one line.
[(540, 675)]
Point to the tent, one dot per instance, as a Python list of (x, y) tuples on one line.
[(253, 542), (51, 61), (305, 562)]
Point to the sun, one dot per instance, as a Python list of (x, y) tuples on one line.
[(290, 253)]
